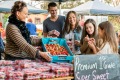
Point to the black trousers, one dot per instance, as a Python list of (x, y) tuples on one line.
[(8, 57)]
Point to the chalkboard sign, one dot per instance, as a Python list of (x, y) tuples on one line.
[(97, 67)]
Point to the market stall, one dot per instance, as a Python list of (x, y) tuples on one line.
[(29, 70), (60, 67)]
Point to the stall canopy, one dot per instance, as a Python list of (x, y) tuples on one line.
[(5, 6), (118, 7), (95, 8)]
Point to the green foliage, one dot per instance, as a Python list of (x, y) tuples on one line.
[(108, 1), (5, 19), (71, 4), (64, 5), (115, 21)]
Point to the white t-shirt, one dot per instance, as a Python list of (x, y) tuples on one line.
[(106, 49), (70, 37)]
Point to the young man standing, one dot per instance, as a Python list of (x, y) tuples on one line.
[(54, 22)]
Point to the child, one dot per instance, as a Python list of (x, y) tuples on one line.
[(107, 34), (89, 32)]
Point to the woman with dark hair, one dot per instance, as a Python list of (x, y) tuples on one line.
[(72, 31), (18, 42), (89, 33)]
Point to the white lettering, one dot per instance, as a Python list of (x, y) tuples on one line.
[(82, 77), (77, 76), (76, 63), (108, 66), (87, 66), (104, 64), (100, 77), (101, 59)]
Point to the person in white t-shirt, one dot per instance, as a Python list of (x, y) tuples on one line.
[(107, 34)]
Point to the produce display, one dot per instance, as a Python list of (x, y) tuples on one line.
[(31, 73), (42, 68), (5, 63), (67, 65), (33, 70), (47, 75), (2, 75), (15, 75), (59, 70), (56, 49)]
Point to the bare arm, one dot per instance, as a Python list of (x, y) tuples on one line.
[(84, 46), (93, 47)]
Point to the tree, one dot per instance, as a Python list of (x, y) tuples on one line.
[(68, 4), (114, 19), (112, 2)]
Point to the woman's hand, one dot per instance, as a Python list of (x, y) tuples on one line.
[(91, 44), (77, 43), (45, 55), (86, 38), (53, 33), (93, 41)]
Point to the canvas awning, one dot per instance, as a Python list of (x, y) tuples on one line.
[(95, 8), (5, 6)]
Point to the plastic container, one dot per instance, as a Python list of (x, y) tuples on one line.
[(61, 42)]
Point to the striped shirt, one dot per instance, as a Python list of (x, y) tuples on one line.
[(16, 45)]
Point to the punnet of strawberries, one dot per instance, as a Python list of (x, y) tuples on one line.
[(56, 49)]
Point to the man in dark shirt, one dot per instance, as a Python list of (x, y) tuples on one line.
[(54, 22)]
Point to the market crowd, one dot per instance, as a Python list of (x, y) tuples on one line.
[(86, 39)]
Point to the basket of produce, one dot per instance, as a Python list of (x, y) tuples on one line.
[(58, 49)]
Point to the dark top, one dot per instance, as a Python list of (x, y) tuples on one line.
[(49, 25)]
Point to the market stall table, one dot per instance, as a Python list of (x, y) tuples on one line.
[(63, 78)]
